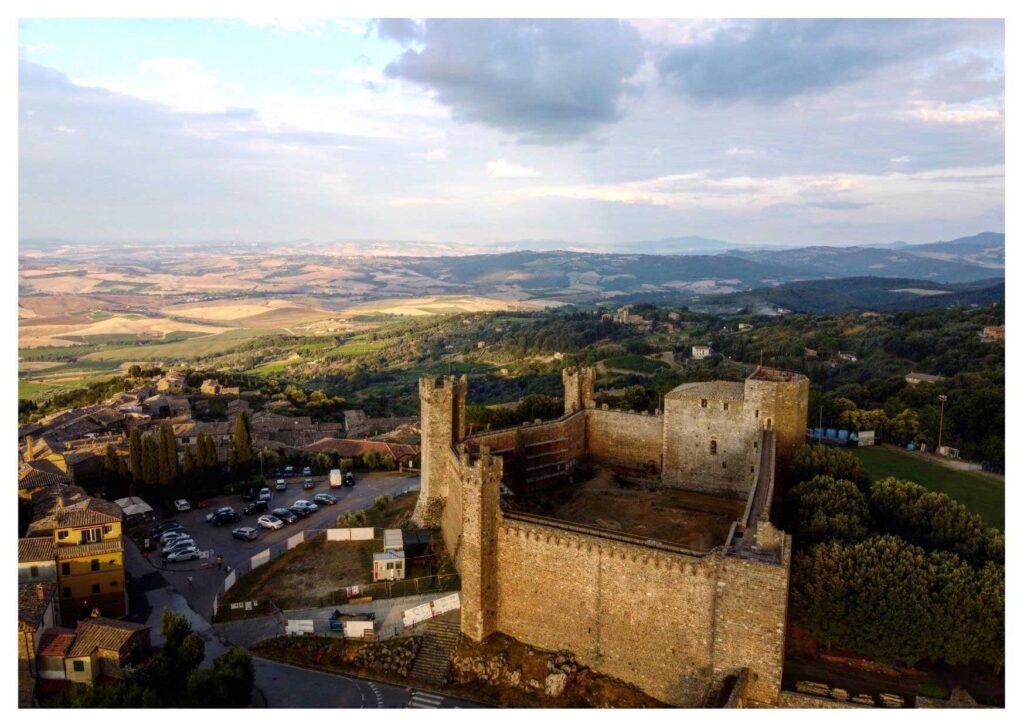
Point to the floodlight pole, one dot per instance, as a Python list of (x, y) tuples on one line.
[(942, 411)]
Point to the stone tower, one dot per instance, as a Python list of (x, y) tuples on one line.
[(480, 479), (442, 425), (779, 400), (579, 387)]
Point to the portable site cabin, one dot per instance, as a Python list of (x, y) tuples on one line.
[(389, 565)]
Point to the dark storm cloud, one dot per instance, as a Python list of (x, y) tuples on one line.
[(772, 60), (543, 80)]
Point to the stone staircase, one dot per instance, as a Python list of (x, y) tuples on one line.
[(440, 639)]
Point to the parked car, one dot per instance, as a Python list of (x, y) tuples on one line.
[(307, 484), (223, 518), (325, 499), (300, 511), (307, 505), (285, 514), (182, 505), (307, 471), (281, 485), (165, 525), (220, 511), (289, 471), (244, 533), (183, 555), (265, 494), (256, 507), (169, 535), (350, 479), (177, 545), (202, 504), (270, 522)]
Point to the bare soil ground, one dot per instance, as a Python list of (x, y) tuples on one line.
[(689, 519), (314, 569)]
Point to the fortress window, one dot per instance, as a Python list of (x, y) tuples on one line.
[(757, 413), (755, 445), (725, 406), (714, 446), (723, 465), (703, 403)]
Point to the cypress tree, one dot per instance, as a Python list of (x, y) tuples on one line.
[(240, 451), (189, 462), (150, 461), (135, 454)]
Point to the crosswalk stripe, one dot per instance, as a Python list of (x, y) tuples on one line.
[(423, 700)]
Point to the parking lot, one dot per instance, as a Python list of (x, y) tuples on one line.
[(199, 580)]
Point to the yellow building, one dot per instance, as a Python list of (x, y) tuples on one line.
[(89, 556)]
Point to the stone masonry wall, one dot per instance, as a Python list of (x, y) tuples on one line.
[(688, 434), (624, 438), (750, 621), (622, 610)]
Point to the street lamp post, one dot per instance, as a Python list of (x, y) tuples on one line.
[(942, 411)]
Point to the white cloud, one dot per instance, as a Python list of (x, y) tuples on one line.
[(900, 160), (941, 113), (65, 129), (308, 26), (435, 155), (737, 151), (180, 83), (500, 168), (904, 196)]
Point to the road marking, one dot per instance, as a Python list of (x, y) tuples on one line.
[(425, 700), (376, 692)]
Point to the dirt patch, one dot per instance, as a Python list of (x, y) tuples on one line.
[(689, 519), (309, 571)]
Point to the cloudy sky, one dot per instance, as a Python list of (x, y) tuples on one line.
[(477, 131)]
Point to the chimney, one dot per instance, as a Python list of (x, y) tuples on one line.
[(41, 592)]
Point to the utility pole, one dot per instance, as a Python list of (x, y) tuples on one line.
[(821, 410), (942, 411)]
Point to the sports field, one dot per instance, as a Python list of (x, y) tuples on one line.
[(979, 491)]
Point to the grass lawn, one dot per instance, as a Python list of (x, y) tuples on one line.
[(980, 492), (634, 362), (33, 390)]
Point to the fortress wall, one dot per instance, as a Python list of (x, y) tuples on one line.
[(626, 610), (750, 621), (689, 430), (451, 515), (624, 438), (785, 402)]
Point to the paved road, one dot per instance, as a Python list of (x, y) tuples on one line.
[(287, 686), (206, 579)]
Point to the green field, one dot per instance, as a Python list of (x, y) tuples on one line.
[(634, 362), (355, 347), (201, 345), (980, 492)]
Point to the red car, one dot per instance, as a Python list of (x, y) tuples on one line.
[(202, 504)]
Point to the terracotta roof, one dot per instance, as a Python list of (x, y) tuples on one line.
[(103, 633), (39, 473), (359, 447), (85, 550), (92, 511), (732, 390), (55, 642), (33, 600), (34, 550)]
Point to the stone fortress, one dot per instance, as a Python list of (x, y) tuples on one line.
[(678, 584)]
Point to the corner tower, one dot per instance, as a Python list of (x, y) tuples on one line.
[(778, 401), (442, 425), (579, 387)]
